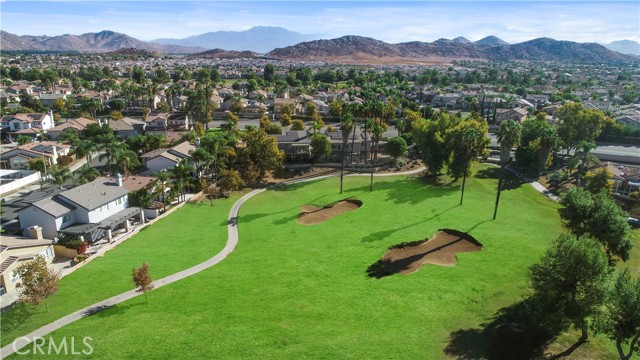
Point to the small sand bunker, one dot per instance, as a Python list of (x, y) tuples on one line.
[(311, 215), (441, 249)]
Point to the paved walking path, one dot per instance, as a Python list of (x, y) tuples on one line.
[(232, 242)]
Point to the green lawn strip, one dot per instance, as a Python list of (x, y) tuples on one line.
[(295, 291), (184, 238)]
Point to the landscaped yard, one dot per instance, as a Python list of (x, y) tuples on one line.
[(167, 246), (302, 291)]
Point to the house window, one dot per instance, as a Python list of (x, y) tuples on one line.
[(16, 126), (14, 276), (66, 218)]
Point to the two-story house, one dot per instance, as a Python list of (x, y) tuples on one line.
[(79, 125), (162, 159), (23, 121), (18, 157), (88, 211)]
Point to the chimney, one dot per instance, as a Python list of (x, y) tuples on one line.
[(35, 232), (54, 152), (119, 180)]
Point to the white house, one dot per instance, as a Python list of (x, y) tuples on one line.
[(161, 159), (16, 250), (23, 121), (89, 211)]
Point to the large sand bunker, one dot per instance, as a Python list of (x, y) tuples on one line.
[(311, 215), (441, 249)]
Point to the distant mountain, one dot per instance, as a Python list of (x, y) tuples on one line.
[(461, 40), (363, 49), (223, 54), (103, 41), (491, 40), (624, 47), (133, 52), (260, 39)]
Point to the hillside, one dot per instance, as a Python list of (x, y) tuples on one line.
[(366, 49), (103, 41), (223, 54), (629, 47)]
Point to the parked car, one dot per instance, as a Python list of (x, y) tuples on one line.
[(635, 223)]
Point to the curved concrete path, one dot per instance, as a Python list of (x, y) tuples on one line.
[(232, 242)]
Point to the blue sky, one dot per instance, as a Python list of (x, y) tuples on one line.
[(513, 21)]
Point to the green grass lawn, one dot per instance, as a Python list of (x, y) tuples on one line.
[(295, 291), (185, 238)]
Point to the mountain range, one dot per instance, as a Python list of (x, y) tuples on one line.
[(624, 47), (103, 41), (349, 49), (259, 39), (363, 49)]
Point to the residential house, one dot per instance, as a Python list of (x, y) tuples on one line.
[(18, 157), (23, 121), (517, 114), (322, 107), (295, 144), (49, 99), (14, 251), (79, 125), (126, 127), (157, 122), (538, 101), (88, 211), (162, 159), (280, 103), (178, 122)]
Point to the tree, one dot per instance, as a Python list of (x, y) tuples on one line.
[(259, 154), (396, 147), (69, 136), (86, 148), (599, 217), (201, 158), (570, 281), (38, 164), (86, 174), (269, 73), (431, 140), (142, 280), (264, 121), (116, 104), (468, 141), (162, 179), (116, 115), (320, 146), (508, 137), (297, 125), (599, 180), (37, 281), (230, 180), (285, 120), (181, 174), (23, 139), (127, 160), (59, 176), (621, 318), (576, 124), (583, 158), (377, 131), (347, 125), (538, 138), (112, 152)]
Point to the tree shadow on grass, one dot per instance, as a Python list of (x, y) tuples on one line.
[(514, 332), (19, 313), (509, 181), (399, 191), (381, 235), (117, 309)]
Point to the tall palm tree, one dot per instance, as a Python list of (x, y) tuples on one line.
[(59, 176), (162, 179), (548, 141), (181, 173), (347, 126), (377, 131), (201, 158), (508, 137), (86, 174), (126, 160)]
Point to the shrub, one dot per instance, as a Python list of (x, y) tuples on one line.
[(70, 243), (64, 160)]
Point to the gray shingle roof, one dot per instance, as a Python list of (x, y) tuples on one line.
[(53, 206), (94, 194)]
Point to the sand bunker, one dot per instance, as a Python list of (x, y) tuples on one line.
[(441, 249), (311, 215)]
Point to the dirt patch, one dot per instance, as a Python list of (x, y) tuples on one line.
[(441, 250), (311, 215)]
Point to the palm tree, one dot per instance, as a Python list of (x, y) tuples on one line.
[(59, 176), (126, 160), (201, 158), (347, 125), (377, 131), (161, 181), (181, 173), (111, 152), (548, 141), (583, 158), (508, 137), (86, 174), (86, 148)]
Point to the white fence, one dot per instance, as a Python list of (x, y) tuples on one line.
[(18, 183)]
